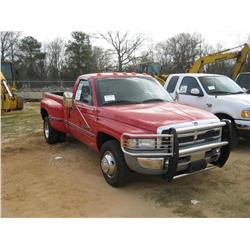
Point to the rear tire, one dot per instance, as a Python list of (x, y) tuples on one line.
[(51, 135), (113, 164)]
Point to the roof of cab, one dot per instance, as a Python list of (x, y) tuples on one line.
[(195, 74), (112, 74)]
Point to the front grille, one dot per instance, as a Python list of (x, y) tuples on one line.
[(197, 137)]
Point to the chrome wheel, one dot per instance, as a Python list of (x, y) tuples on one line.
[(108, 164), (46, 129)]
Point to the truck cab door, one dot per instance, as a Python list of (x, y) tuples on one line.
[(190, 93), (83, 114)]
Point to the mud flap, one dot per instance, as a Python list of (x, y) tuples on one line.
[(225, 150)]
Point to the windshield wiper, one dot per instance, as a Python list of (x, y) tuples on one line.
[(120, 102), (154, 100), (239, 92), (221, 92)]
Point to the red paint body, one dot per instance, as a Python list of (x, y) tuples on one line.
[(117, 119)]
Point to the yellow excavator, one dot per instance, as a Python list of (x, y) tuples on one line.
[(9, 100), (153, 69), (240, 56)]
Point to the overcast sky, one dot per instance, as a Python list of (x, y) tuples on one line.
[(218, 21), (227, 39)]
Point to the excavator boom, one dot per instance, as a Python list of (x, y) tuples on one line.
[(240, 56)]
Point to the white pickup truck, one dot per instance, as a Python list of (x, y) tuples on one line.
[(217, 94)]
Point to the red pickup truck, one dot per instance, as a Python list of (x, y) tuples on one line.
[(135, 125)]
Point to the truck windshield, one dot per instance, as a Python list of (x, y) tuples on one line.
[(219, 85), (129, 90)]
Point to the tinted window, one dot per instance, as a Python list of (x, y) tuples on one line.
[(83, 93), (129, 90), (172, 84), (187, 84), (7, 72), (244, 81)]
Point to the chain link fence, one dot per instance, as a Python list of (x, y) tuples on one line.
[(43, 86)]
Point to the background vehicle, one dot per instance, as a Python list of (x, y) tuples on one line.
[(215, 93), (133, 123), (240, 56), (153, 69), (9, 100), (243, 80)]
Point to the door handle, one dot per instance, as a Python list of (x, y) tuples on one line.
[(209, 105)]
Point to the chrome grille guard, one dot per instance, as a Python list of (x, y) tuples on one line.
[(164, 142)]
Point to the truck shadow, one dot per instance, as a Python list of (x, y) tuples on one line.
[(243, 145)]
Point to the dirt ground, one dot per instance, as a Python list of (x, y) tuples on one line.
[(35, 184)]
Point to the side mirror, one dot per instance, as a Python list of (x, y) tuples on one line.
[(196, 92), (245, 90), (67, 99), (176, 96)]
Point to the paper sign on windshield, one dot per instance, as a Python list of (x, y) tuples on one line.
[(211, 87), (109, 98), (183, 89)]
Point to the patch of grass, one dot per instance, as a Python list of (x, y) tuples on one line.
[(21, 123)]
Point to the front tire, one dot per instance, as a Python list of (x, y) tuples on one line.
[(113, 165)]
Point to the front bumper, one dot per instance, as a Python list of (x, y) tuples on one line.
[(180, 160), (243, 127)]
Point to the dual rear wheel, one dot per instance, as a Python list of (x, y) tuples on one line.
[(51, 135), (112, 162)]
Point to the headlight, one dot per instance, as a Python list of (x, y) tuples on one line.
[(141, 143), (245, 114)]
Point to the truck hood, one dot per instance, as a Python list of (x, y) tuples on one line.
[(243, 99), (153, 115)]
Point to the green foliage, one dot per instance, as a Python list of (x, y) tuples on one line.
[(79, 58), (31, 62)]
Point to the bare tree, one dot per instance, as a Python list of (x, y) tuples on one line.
[(179, 52), (54, 58), (8, 44), (102, 59), (124, 46)]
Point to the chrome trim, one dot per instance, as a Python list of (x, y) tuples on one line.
[(151, 163), (198, 141), (186, 124), (68, 99), (80, 129), (108, 164), (182, 152), (56, 119), (201, 127), (198, 133), (146, 152), (188, 151), (196, 172)]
